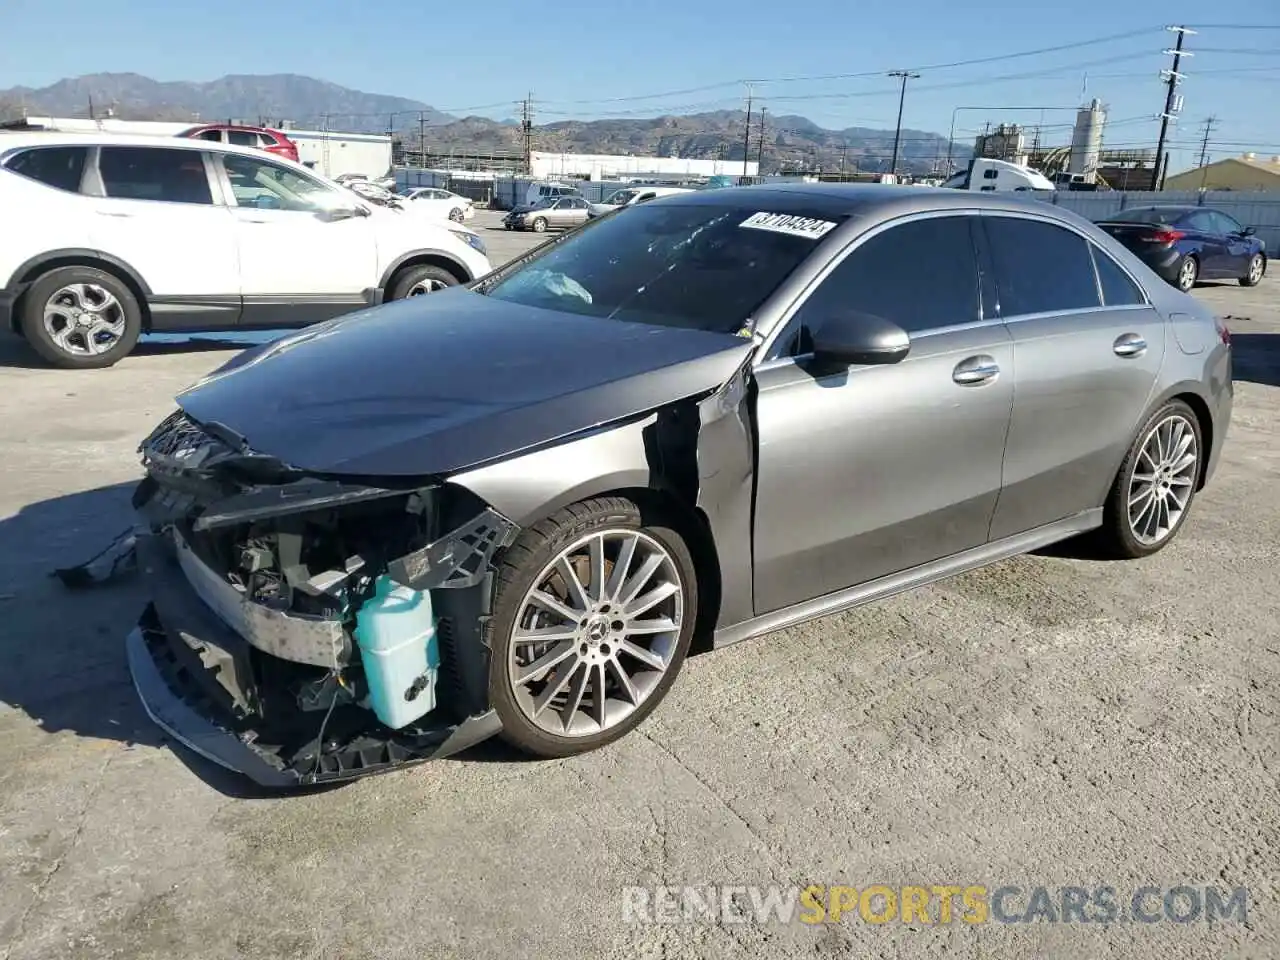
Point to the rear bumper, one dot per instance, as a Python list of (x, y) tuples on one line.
[(1165, 263), (8, 299), (186, 664)]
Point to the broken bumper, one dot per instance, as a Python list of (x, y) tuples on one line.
[(175, 655)]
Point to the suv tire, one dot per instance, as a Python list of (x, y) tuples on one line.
[(419, 280), (80, 318)]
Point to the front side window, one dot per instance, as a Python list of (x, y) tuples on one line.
[(693, 266), (213, 135), (1040, 267), (267, 186), (881, 277), (1224, 224), (154, 173), (1118, 288), (621, 198), (60, 167)]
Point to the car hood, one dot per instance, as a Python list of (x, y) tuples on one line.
[(432, 385)]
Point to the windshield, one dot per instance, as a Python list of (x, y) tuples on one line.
[(702, 267), (1148, 215), (620, 197)]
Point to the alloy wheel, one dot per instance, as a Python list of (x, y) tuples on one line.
[(427, 285), (596, 632), (1163, 480), (1187, 274), (1255, 269), (84, 319)]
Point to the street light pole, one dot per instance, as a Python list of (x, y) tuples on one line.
[(904, 75)]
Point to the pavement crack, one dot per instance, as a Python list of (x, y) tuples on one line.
[(43, 885)]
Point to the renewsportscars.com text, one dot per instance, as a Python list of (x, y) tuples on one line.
[(930, 904)]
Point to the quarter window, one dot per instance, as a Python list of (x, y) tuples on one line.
[(154, 173), (60, 167), (1118, 289), (1040, 267), (883, 277)]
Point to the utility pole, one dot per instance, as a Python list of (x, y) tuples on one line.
[(904, 75), (760, 145), (844, 153), (746, 135), (1204, 149), (526, 132), (422, 139), (1172, 102)]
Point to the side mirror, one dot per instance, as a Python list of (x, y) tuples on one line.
[(846, 339), (1248, 231), (342, 213)]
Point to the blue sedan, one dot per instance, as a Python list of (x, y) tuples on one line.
[(1187, 244)]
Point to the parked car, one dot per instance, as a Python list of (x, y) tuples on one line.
[(1187, 244), (538, 192), (264, 138), (125, 235), (629, 197), (384, 183), (440, 202), (508, 508), (549, 214)]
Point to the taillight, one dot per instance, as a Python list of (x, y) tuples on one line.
[(1224, 332), (1164, 236)]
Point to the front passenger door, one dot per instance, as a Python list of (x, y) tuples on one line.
[(871, 470)]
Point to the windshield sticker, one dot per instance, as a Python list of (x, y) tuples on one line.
[(785, 223)]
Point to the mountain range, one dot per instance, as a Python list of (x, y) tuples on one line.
[(790, 142)]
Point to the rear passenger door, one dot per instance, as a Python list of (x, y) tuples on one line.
[(1087, 348), (155, 210)]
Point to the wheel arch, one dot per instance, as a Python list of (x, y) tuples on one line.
[(421, 258), (37, 266), (1191, 394)]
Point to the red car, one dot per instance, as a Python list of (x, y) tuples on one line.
[(264, 138)]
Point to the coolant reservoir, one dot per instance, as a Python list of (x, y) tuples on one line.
[(396, 634)]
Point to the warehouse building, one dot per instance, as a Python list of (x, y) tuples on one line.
[(1247, 172)]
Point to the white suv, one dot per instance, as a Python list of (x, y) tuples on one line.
[(124, 235)]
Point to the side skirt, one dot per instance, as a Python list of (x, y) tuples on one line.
[(920, 576)]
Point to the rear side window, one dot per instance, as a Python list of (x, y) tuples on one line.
[(1040, 267), (243, 138), (60, 167), (1118, 289), (154, 173), (881, 277)]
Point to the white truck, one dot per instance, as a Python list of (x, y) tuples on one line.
[(998, 176)]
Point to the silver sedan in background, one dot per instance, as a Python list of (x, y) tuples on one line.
[(549, 214)]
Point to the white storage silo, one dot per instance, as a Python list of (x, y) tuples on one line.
[(1086, 139)]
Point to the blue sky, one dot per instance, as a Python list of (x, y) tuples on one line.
[(584, 59)]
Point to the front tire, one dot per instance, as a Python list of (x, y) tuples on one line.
[(416, 281), (1188, 274), (81, 318), (1257, 269), (594, 610), (1153, 492)]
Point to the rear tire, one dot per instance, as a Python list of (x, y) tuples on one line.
[(1257, 270), (604, 635), (456, 214), (419, 280), (80, 318), (1188, 274), (539, 225), (1133, 525)]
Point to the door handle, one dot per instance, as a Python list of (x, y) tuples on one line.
[(1129, 345), (975, 370)]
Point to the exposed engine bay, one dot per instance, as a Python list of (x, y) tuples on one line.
[(332, 627)]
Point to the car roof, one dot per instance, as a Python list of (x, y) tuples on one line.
[(56, 138), (1167, 207), (866, 199)]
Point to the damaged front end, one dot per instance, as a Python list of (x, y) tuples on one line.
[(302, 628)]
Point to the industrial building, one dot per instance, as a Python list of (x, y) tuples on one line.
[(1247, 172), (328, 152)]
